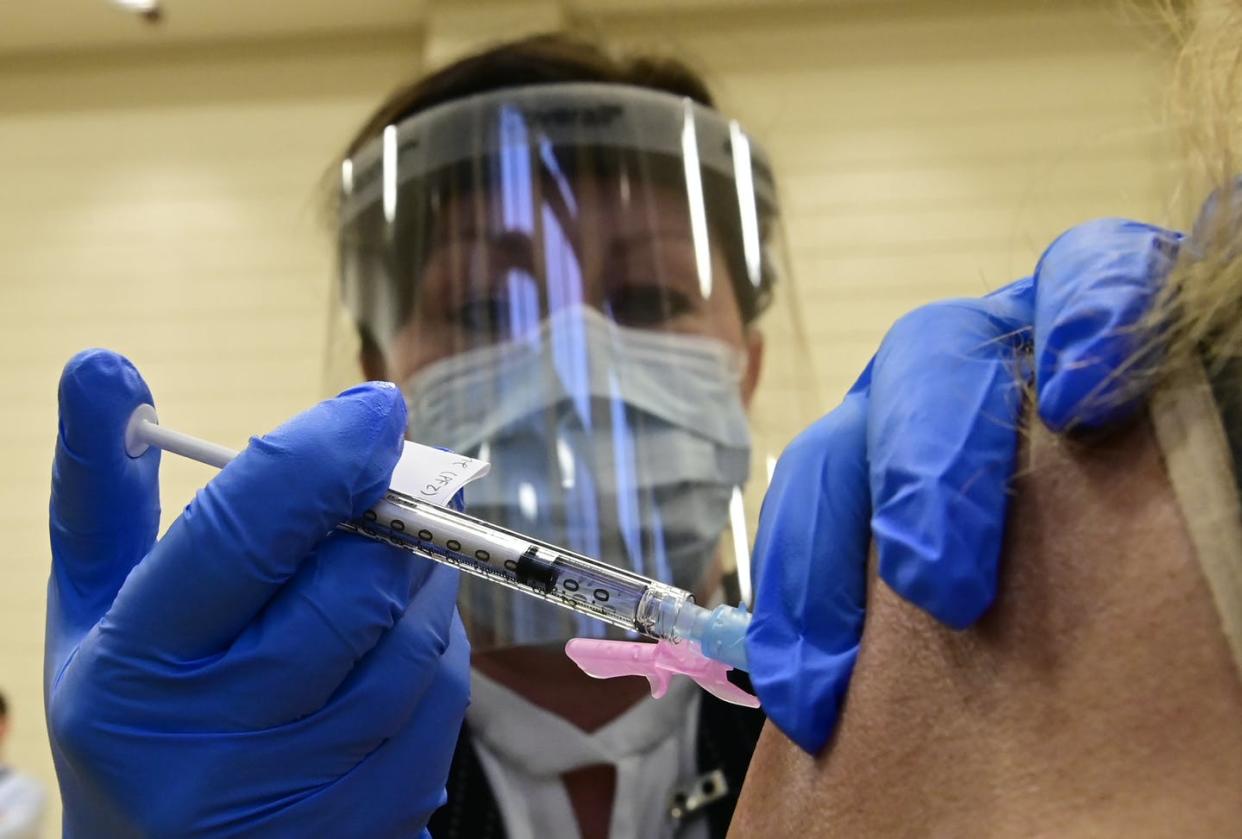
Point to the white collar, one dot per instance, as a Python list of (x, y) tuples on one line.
[(520, 731), (524, 751)]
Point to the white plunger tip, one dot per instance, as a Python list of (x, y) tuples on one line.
[(136, 441)]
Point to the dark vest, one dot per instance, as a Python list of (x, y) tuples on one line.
[(726, 740)]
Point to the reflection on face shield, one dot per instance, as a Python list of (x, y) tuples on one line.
[(562, 276), (622, 444)]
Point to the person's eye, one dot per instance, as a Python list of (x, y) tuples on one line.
[(484, 316), (647, 305)]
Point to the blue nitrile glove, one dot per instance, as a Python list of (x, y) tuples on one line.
[(252, 672), (919, 455)]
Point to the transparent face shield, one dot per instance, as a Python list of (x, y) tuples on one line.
[(567, 282)]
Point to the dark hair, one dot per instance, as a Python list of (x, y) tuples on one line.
[(4, 706), (539, 59)]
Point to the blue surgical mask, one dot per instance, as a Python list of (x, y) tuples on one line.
[(623, 444)]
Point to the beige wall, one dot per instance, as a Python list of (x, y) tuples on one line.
[(933, 149), (164, 208), (163, 205)]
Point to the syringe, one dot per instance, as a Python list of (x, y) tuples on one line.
[(587, 586)]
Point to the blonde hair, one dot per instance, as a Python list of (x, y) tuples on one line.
[(1199, 310)]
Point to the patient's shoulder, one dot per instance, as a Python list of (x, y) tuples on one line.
[(1097, 695)]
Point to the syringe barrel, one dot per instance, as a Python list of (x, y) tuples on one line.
[(568, 579), (611, 594)]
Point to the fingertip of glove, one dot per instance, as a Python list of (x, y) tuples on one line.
[(95, 373), (800, 685), (955, 593), (1089, 235), (98, 391), (341, 452), (1099, 254), (385, 401), (1064, 414), (956, 602), (1098, 282), (1091, 382), (1059, 398), (373, 413), (959, 616), (1052, 411)]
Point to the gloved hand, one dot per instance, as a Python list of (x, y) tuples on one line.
[(919, 455), (252, 672)]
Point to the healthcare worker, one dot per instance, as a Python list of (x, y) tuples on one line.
[(564, 272), (562, 259)]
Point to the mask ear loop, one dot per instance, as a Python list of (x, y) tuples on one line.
[(1196, 454)]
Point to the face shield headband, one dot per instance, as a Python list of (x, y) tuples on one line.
[(532, 149)]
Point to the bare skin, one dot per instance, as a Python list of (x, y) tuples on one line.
[(1098, 697)]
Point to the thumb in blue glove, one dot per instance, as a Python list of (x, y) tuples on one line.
[(251, 671), (918, 457)]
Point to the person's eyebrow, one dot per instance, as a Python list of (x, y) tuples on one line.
[(512, 248)]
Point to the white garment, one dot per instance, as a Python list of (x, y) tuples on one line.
[(22, 802), (524, 751)]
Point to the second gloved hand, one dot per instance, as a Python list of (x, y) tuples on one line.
[(252, 672), (919, 455)]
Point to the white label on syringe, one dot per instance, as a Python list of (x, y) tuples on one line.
[(432, 475)]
